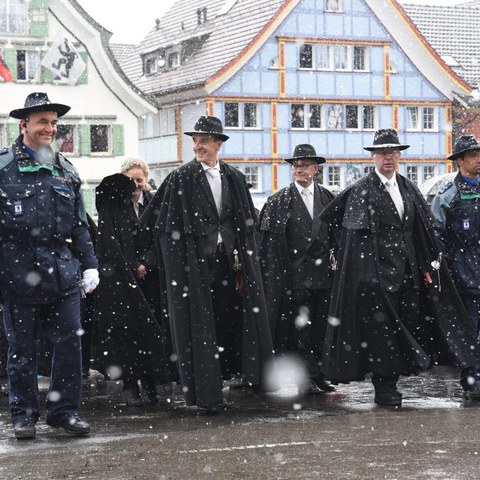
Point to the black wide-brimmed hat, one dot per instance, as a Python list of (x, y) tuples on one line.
[(39, 102), (209, 125), (464, 144), (386, 138), (305, 151)]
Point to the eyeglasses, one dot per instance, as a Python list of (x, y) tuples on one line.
[(301, 166), (388, 151)]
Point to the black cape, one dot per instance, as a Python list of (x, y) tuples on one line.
[(275, 259), (130, 340), (180, 237), (354, 344)]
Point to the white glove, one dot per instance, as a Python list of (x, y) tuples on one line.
[(90, 280)]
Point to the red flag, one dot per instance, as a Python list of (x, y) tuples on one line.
[(5, 73)]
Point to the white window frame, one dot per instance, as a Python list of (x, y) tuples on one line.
[(421, 112), (333, 173), (109, 150), (306, 108), (366, 58), (241, 112), (346, 57), (412, 171), (34, 70), (424, 172), (167, 117), (150, 65), (75, 139), (334, 6), (327, 66), (312, 56), (258, 185), (13, 12)]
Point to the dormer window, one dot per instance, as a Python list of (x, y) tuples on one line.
[(173, 60), (201, 15), (150, 65), (334, 5)]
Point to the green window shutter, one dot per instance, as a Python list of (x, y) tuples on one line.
[(13, 131), (38, 18), (84, 144), (10, 58), (47, 76), (118, 142), (84, 76)]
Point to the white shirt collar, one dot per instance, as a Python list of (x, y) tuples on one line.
[(206, 167), (384, 179), (311, 187)]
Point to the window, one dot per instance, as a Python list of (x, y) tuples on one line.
[(252, 173), (99, 138), (412, 173), (352, 120), (13, 16), (306, 116), (150, 65), (298, 115), (429, 171), (306, 56), (359, 58), (369, 117), (341, 57), (315, 116), (333, 176), (168, 125), (148, 122), (201, 15), (333, 5), (241, 115), (335, 117), (27, 65), (66, 138), (325, 57), (250, 115), (422, 118), (173, 60)]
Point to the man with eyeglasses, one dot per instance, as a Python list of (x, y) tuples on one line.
[(395, 310), (295, 256)]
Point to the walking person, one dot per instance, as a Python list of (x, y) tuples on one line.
[(295, 255), (456, 221), (42, 222), (395, 310), (205, 226)]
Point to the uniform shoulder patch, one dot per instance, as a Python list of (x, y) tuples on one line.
[(443, 188)]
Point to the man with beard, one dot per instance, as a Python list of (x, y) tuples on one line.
[(205, 225), (296, 251), (457, 226), (395, 310)]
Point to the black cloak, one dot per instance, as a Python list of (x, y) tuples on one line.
[(180, 234), (129, 336), (364, 333), (275, 259)]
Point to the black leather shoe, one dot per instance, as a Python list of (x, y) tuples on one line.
[(325, 385), (310, 388), (24, 430), (389, 399), (73, 425)]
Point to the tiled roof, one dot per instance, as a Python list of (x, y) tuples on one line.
[(454, 33), (222, 37), (121, 51)]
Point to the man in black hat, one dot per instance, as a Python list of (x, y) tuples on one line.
[(206, 222), (295, 257), (395, 310), (456, 213), (42, 223)]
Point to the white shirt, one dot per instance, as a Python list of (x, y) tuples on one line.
[(394, 190), (308, 195), (215, 182)]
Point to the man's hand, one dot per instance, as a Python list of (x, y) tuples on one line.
[(90, 280), (427, 277), (141, 271)]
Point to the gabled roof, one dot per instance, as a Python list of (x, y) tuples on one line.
[(453, 32), (230, 39), (225, 36), (95, 38)]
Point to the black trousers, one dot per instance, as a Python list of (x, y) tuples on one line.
[(227, 304), (307, 326)]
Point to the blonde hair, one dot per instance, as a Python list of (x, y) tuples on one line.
[(130, 163)]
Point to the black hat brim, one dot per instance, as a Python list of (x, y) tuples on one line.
[(221, 136), (319, 160), (21, 113), (372, 148), (455, 155)]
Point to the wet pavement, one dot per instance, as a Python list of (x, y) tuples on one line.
[(340, 435)]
